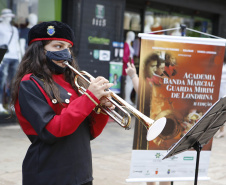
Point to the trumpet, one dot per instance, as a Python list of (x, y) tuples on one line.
[(154, 127)]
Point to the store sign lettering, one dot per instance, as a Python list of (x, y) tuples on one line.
[(99, 22), (97, 40)]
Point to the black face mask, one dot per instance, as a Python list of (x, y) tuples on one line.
[(58, 55)]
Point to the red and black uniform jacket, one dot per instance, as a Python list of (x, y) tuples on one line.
[(60, 136)]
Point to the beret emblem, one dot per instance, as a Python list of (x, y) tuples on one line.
[(50, 30)]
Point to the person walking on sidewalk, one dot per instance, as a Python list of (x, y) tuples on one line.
[(58, 121)]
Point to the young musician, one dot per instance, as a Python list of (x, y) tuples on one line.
[(58, 121)]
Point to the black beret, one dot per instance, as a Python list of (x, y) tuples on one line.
[(52, 30)]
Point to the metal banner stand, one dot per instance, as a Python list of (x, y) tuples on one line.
[(183, 29), (202, 132)]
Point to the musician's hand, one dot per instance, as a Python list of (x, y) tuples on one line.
[(104, 101), (99, 87)]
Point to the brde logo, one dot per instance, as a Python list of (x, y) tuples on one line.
[(100, 11)]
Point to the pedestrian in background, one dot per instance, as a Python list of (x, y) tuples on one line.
[(10, 39)]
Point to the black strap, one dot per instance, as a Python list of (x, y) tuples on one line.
[(11, 37)]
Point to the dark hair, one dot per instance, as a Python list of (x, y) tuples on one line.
[(159, 62), (149, 59), (34, 61), (167, 56), (167, 59)]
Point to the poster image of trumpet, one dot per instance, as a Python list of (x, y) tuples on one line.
[(179, 79)]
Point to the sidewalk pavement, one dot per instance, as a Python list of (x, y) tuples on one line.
[(111, 157)]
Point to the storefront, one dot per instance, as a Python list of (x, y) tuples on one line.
[(101, 26), (98, 30), (154, 15), (193, 10), (132, 15)]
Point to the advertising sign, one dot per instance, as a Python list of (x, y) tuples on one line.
[(101, 27), (115, 76), (179, 79)]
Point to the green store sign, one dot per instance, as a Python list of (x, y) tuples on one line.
[(97, 40)]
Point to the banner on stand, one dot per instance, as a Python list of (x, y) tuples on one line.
[(179, 79)]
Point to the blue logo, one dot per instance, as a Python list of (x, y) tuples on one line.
[(50, 30)]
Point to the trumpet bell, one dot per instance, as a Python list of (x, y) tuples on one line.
[(156, 128)]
